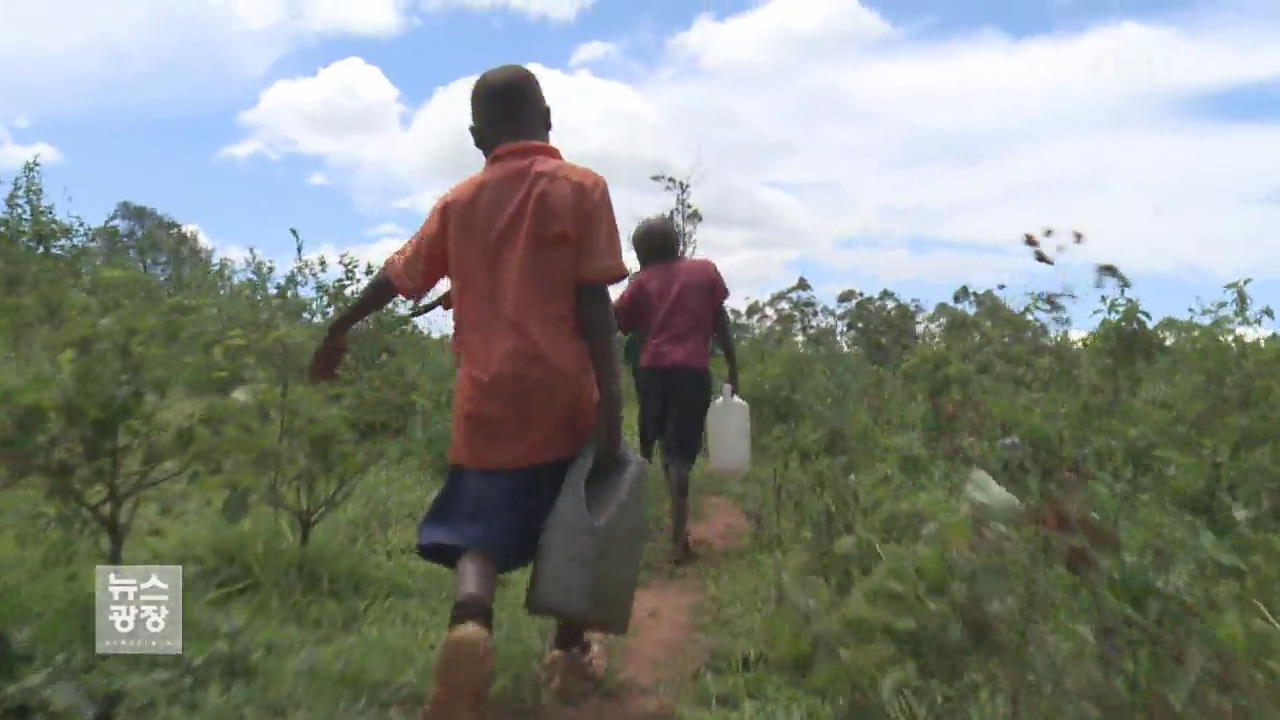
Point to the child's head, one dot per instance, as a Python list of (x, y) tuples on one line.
[(656, 240), (507, 105)]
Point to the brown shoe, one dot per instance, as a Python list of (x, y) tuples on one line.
[(464, 673), (571, 675)]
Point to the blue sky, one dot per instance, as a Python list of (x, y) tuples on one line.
[(899, 143)]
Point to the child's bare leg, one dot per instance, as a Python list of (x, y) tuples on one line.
[(576, 664), (570, 636), (678, 481), (464, 668), (475, 583)]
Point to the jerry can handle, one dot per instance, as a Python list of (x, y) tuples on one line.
[(727, 391)]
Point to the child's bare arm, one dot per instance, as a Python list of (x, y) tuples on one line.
[(444, 301), (411, 271), (599, 329), (377, 295)]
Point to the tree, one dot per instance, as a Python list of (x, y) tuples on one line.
[(156, 244), (883, 328), (683, 213), (312, 444), (29, 220), (108, 422), (300, 438)]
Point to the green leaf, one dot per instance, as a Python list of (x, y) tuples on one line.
[(846, 545), (235, 506), (1187, 679), (892, 682), (67, 360), (1220, 553)]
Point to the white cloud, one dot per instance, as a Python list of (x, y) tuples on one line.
[(384, 239), (387, 229), (317, 178), (1246, 334), (373, 253), (592, 52), (70, 54), (234, 253), (348, 113), (1255, 334), (334, 113), (780, 30), (892, 265), (338, 17), (819, 128), (151, 50), (557, 10), (387, 238), (13, 154)]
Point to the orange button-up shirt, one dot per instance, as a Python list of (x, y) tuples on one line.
[(516, 240)]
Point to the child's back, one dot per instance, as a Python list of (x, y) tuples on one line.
[(675, 307), (516, 240), (677, 304)]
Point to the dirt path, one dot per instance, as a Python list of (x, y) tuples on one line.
[(663, 649)]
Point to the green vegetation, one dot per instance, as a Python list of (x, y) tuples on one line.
[(155, 411)]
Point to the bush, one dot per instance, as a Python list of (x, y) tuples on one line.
[(156, 410)]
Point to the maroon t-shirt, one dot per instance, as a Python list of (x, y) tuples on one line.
[(674, 305)]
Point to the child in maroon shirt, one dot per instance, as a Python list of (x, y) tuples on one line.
[(678, 305)]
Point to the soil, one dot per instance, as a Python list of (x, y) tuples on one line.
[(663, 649)]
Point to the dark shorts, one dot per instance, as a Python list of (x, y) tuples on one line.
[(499, 512), (673, 412)]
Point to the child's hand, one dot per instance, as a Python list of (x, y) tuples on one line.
[(327, 358), (444, 302), (609, 457)]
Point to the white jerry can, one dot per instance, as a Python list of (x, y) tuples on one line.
[(729, 435), (588, 562)]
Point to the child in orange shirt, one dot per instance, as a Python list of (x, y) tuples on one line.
[(530, 246)]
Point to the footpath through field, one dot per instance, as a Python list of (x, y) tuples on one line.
[(664, 649)]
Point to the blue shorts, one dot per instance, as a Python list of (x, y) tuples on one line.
[(498, 512)]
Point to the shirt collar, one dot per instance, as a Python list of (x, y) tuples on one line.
[(522, 150)]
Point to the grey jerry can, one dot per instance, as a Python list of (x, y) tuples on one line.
[(588, 561)]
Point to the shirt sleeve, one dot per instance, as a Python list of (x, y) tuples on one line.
[(628, 308), (719, 291), (599, 260), (423, 261)]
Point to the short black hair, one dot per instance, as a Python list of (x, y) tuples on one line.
[(507, 99), (656, 240)]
